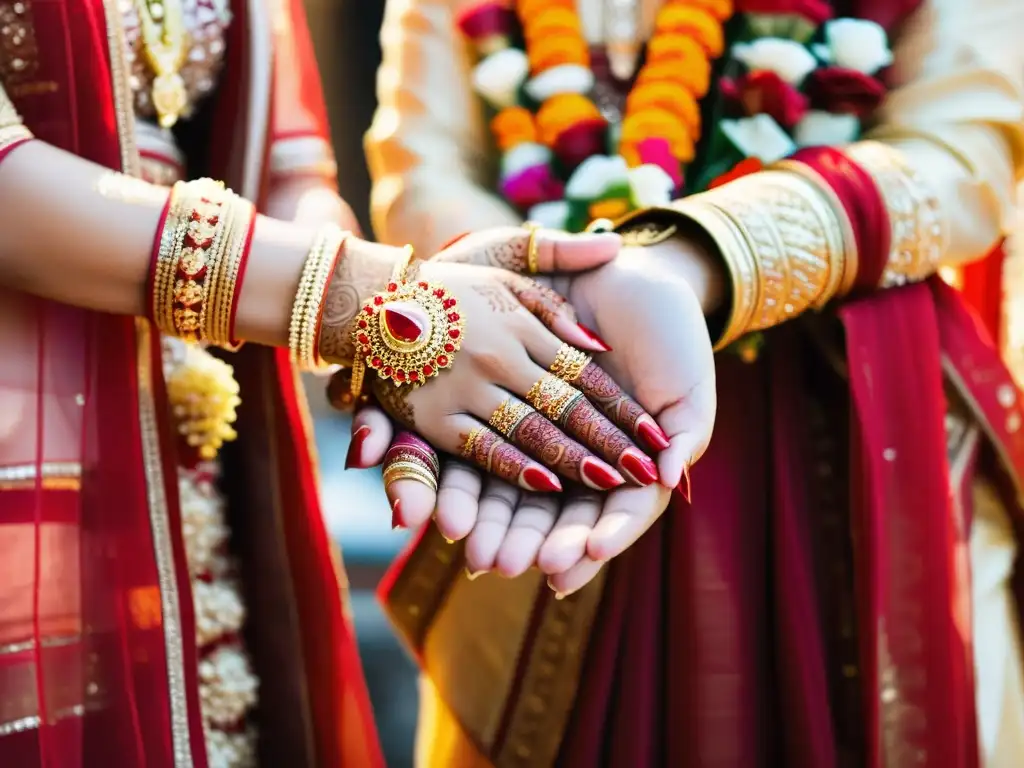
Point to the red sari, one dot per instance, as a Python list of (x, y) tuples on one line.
[(810, 608), (97, 635)]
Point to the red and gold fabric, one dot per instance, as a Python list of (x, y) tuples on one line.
[(97, 625)]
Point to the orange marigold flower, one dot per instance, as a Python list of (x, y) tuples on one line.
[(562, 112), (608, 209), (528, 9), (655, 122), (555, 50), (721, 9), (671, 97), (553, 21), (681, 50), (513, 126), (695, 23), (694, 76)]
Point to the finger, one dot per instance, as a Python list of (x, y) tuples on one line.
[(566, 545), (493, 519), (531, 522), (602, 391), (556, 251), (577, 577), (411, 469), (458, 499), (538, 437), (690, 421), (489, 451), (371, 436), (554, 312), (626, 515)]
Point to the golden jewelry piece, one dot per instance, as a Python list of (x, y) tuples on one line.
[(469, 447), (409, 469), (409, 332), (508, 416), (165, 44), (569, 363), (307, 310), (919, 236), (553, 397), (532, 247), (647, 234), (199, 256), (404, 453)]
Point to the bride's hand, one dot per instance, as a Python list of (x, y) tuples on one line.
[(645, 301), (505, 351)]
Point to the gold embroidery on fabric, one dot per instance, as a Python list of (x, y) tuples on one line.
[(919, 237), (551, 678)]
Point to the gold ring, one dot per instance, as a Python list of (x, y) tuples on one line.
[(569, 363), (532, 255), (508, 416), (409, 470), (553, 397), (469, 447), (403, 453)]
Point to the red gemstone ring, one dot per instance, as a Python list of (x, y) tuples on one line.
[(409, 332)]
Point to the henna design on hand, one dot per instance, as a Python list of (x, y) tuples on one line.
[(362, 270), (585, 423), (498, 297), (602, 390), (507, 254), (493, 454), (540, 300), (546, 442), (395, 400)]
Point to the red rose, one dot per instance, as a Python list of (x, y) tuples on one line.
[(814, 11), (765, 92), (844, 91)]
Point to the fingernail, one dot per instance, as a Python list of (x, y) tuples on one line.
[(599, 475), (474, 575), (639, 467), (354, 457), (597, 340), (539, 479), (684, 484), (653, 435), (396, 514)]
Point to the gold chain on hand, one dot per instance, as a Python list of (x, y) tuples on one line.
[(165, 43)]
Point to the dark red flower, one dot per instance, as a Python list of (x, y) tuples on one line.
[(764, 92), (844, 91), (581, 141), (815, 11)]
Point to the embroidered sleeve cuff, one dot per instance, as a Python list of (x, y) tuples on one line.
[(919, 235), (12, 130)]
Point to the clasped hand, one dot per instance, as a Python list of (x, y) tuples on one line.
[(518, 515)]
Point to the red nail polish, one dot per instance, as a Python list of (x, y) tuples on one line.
[(539, 479), (684, 484), (396, 514), (594, 338), (639, 467), (653, 435), (354, 457), (599, 475)]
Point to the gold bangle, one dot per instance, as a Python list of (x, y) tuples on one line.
[(223, 279), (569, 363), (304, 328), (532, 249)]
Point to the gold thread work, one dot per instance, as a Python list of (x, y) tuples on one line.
[(304, 329)]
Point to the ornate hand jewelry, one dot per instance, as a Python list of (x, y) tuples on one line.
[(407, 333)]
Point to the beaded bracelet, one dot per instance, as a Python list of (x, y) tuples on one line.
[(307, 311)]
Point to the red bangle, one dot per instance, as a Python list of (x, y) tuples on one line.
[(863, 204)]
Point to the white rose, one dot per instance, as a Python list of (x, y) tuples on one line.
[(523, 156), (499, 77), (855, 44), (553, 215), (787, 59), (650, 186), (824, 129), (594, 175), (759, 137), (567, 78)]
